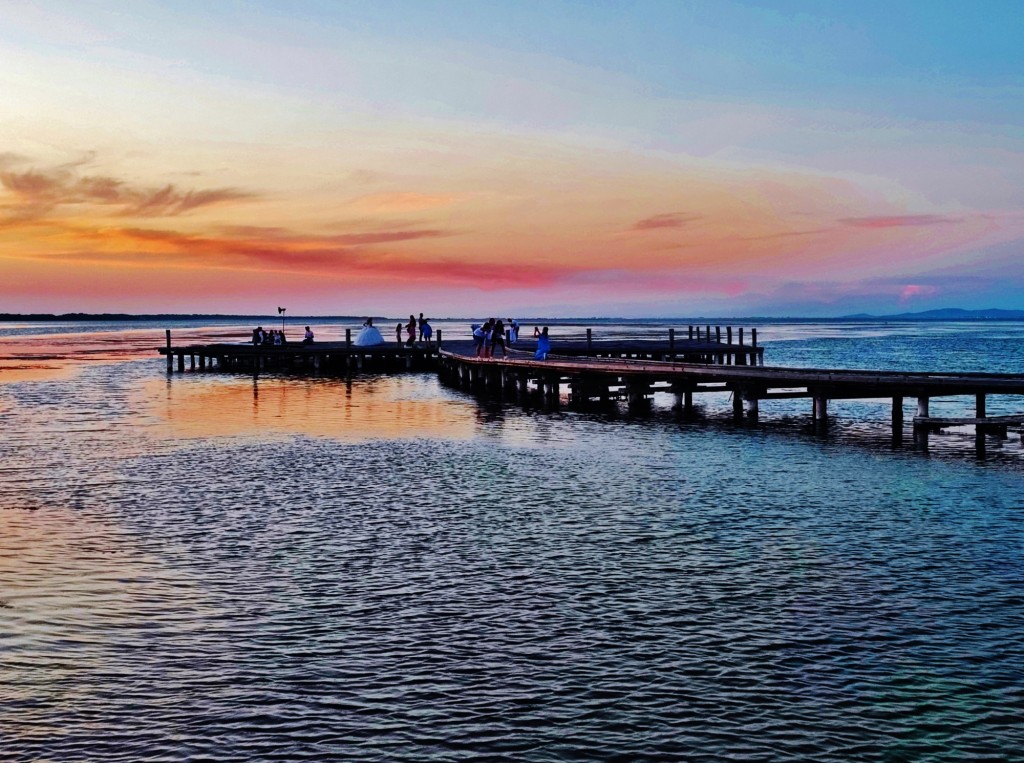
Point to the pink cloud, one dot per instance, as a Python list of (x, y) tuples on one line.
[(912, 290)]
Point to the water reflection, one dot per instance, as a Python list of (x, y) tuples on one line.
[(349, 409)]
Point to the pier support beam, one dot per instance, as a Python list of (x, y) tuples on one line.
[(922, 405), (819, 410), (170, 356), (181, 362), (751, 400)]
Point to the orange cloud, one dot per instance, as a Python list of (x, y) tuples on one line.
[(294, 254), (403, 201)]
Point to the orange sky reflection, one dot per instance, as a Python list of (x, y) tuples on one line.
[(361, 409)]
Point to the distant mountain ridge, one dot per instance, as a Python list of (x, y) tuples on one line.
[(944, 314)]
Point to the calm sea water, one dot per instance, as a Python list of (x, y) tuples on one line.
[(217, 567)]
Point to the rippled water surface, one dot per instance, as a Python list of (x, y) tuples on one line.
[(212, 566)]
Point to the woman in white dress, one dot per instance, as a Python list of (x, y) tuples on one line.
[(369, 336)]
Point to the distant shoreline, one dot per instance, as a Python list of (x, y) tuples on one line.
[(927, 316)]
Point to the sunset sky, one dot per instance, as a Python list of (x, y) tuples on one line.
[(523, 158)]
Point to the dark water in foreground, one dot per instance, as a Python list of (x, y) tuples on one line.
[(212, 567)]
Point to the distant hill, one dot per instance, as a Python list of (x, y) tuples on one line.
[(945, 314)]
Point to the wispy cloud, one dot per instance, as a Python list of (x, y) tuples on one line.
[(405, 201), (38, 192), (668, 220), (899, 221)]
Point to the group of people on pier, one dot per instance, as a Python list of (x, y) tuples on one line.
[(496, 333), (415, 325), (272, 337), (417, 329), (277, 338)]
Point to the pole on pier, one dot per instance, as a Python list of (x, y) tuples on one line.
[(672, 344), (718, 334), (691, 333), (170, 357), (979, 405), (181, 362), (590, 339), (753, 338), (439, 339), (348, 339), (737, 404)]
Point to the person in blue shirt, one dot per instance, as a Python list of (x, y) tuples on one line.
[(543, 345)]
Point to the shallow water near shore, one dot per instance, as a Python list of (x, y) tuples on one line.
[(210, 565)]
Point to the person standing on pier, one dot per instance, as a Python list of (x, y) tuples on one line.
[(398, 333), (420, 323), (426, 330), (478, 338), (411, 329), (498, 338), (513, 331), (543, 345), (257, 335)]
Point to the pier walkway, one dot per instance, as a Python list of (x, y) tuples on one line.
[(601, 370)]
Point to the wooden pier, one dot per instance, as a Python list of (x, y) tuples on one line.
[(319, 357), (588, 379), (701, 360)]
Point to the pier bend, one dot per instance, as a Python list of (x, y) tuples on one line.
[(603, 370)]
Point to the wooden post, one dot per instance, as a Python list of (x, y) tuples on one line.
[(737, 404), (741, 335), (728, 334), (820, 406), (202, 362), (192, 361), (979, 405), (672, 344), (589, 340), (753, 338), (718, 334), (439, 339), (922, 405), (691, 333), (348, 338), (181, 362), (897, 412), (752, 405), (688, 401), (707, 337), (170, 357)]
